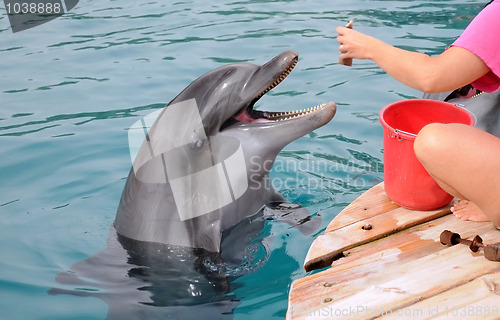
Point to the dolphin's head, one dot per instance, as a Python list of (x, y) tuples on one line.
[(226, 97)]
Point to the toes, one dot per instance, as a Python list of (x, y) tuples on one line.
[(458, 215), (459, 205), (455, 206), (468, 211)]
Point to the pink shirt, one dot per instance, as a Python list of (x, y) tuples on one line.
[(482, 37)]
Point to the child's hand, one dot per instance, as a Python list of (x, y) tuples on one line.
[(354, 44)]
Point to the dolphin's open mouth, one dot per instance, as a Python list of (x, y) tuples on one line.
[(249, 115)]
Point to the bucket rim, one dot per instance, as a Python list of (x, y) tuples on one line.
[(409, 135)]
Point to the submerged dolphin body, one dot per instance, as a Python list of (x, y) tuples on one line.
[(180, 238)]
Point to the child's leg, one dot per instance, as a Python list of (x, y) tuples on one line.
[(465, 162)]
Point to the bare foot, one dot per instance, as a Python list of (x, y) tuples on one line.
[(468, 211)]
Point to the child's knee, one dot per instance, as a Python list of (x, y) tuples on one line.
[(429, 141)]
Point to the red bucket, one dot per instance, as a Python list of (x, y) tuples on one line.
[(407, 183)]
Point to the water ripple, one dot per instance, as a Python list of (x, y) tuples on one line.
[(83, 118), (71, 88)]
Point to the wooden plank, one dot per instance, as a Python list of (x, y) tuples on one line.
[(389, 289), (479, 298), (405, 246), (417, 242), (372, 202), (330, 246), (389, 272)]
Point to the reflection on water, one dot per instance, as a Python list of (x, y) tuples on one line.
[(76, 119), (70, 88)]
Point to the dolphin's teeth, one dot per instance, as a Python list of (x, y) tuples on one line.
[(290, 115), (279, 80)]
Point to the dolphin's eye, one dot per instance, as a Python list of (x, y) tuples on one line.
[(198, 144)]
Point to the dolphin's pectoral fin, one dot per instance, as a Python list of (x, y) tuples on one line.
[(294, 215), (80, 288), (66, 277), (78, 293)]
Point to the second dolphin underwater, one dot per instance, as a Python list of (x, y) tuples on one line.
[(197, 198)]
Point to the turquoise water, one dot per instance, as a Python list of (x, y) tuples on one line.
[(69, 89)]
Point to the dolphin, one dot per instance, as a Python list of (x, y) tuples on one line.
[(197, 197)]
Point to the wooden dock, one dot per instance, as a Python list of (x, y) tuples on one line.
[(388, 262)]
